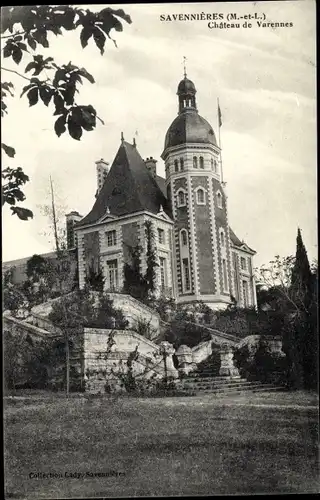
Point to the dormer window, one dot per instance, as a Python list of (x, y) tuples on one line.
[(161, 236), (181, 198), (219, 199), (200, 196), (201, 162)]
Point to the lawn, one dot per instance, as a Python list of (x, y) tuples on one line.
[(161, 446)]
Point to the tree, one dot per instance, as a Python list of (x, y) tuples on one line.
[(136, 284), (294, 290), (23, 30), (95, 280)]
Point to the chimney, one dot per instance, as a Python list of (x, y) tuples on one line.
[(72, 218), (102, 172), (151, 165)]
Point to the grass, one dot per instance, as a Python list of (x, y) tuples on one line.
[(164, 446)]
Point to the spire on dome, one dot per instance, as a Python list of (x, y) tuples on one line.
[(184, 67)]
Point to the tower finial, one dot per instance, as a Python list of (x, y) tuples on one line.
[(122, 138), (184, 66)]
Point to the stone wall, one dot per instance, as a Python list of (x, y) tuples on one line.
[(105, 363)]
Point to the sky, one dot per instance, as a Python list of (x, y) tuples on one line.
[(264, 77)]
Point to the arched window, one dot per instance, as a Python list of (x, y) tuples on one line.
[(219, 199), (201, 197), (201, 162), (222, 239), (184, 237), (181, 164), (176, 166), (195, 162), (225, 275), (181, 198)]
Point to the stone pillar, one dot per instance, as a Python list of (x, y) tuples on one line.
[(185, 359), (167, 350), (227, 367)]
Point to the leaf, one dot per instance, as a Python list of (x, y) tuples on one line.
[(45, 94), (100, 39), (83, 72), (27, 87), (32, 43), (17, 55), (22, 46), (22, 213), (33, 96), (59, 104), (8, 150), (85, 34), (7, 51), (60, 125), (74, 129), (40, 36), (30, 66)]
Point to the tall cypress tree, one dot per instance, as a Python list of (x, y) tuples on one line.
[(301, 275), (304, 327)]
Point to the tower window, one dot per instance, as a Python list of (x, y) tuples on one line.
[(176, 166), (186, 275), (184, 237), (111, 238), (181, 198), (201, 162), (201, 197), (225, 275), (222, 239), (195, 162), (219, 199), (181, 164), (212, 164), (161, 236)]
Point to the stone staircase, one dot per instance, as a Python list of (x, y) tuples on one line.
[(206, 380)]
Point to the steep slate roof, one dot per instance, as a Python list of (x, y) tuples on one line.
[(235, 240), (129, 188)]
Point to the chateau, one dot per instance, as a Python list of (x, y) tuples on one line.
[(199, 256)]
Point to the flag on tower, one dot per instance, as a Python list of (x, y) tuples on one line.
[(219, 115)]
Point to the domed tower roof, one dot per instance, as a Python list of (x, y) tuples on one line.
[(186, 86), (189, 126)]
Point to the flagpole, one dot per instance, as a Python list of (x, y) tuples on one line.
[(219, 127)]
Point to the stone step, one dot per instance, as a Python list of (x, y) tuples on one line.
[(212, 377), (217, 385), (230, 390)]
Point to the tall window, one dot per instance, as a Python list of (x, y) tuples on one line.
[(195, 162), (245, 293), (181, 198), (200, 196), (113, 274), (201, 162), (215, 166), (161, 236), (222, 239), (243, 263), (111, 238), (181, 164), (184, 237), (176, 166), (186, 275), (219, 200), (225, 274), (163, 272)]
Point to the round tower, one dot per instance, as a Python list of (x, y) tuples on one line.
[(199, 205)]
